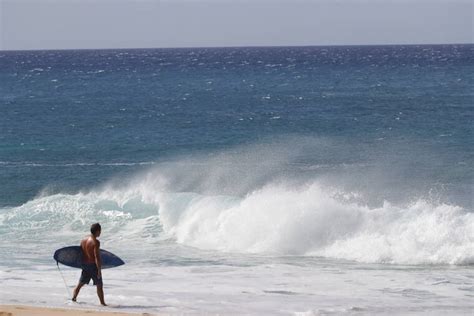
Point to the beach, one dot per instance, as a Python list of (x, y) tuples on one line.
[(20, 310)]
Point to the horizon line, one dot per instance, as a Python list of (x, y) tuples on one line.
[(231, 46)]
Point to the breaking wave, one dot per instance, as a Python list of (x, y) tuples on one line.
[(263, 199), (278, 219)]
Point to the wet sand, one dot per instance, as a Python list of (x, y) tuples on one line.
[(19, 310)]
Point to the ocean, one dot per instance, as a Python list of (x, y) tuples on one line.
[(257, 181)]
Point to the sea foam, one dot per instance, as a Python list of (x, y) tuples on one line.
[(276, 219)]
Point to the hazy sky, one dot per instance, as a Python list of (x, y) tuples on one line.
[(50, 24)]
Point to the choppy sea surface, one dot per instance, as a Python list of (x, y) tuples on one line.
[(262, 181)]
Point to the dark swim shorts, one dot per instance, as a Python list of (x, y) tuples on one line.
[(89, 271)]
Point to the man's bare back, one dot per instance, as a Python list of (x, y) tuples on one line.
[(89, 246)]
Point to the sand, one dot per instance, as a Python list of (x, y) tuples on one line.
[(19, 310)]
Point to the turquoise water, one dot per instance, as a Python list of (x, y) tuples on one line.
[(73, 119)]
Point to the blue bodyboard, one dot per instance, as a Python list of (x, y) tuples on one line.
[(72, 257)]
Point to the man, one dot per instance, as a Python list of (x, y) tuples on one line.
[(91, 263)]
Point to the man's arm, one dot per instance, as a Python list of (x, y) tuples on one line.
[(98, 259)]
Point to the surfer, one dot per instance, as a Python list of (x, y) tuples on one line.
[(91, 263)]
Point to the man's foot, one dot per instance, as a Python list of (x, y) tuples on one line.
[(103, 304), (73, 299)]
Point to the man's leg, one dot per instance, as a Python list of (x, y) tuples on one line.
[(100, 294), (76, 291)]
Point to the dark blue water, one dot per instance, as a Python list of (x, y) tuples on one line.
[(403, 115)]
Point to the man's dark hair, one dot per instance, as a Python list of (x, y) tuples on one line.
[(95, 228)]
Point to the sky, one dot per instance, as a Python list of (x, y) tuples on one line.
[(82, 24)]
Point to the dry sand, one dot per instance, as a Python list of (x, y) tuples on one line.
[(18, 310)]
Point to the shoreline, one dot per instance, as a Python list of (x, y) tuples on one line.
[(26, 310)]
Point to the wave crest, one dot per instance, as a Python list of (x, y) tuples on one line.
[(277, 219), (316, 221)]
